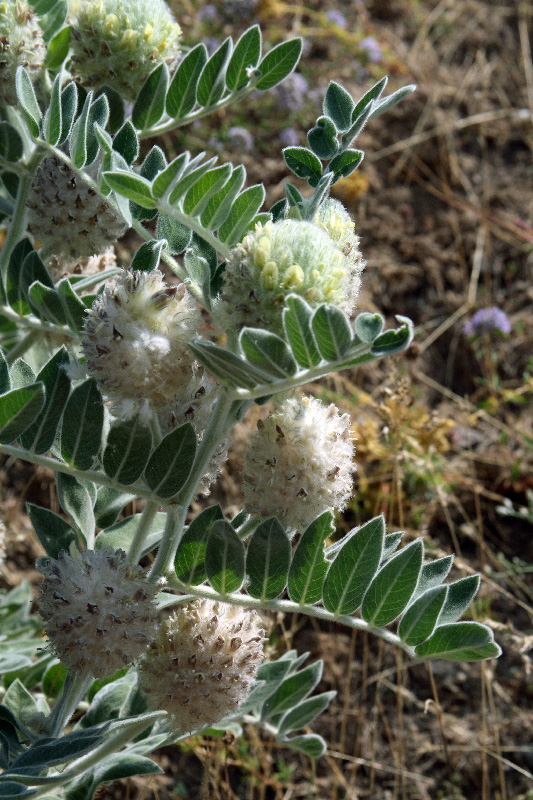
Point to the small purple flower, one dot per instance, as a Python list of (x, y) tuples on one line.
[(486, 320), (289, 137), (290, 94), (240, 139), (208, 13), (337, 17), (238, 8), (372, 49)]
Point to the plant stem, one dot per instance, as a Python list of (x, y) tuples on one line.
[(73, 690), (18, 220), (24, 344), (143, 529)]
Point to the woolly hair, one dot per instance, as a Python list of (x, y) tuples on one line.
[(21, 44), (202, 663), (98, 610), (340, 226), (120, 43), (67, 216), (62, 267), (299, 463), (274, 260), (136, 337)]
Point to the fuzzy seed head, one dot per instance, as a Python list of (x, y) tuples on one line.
[(98, 610), (21, 44), (202, 663), (67, 216), (274, 260), (119, 44), (299, 463), (136, 338)]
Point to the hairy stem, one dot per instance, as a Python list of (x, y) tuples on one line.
[(74, 689), (143, 529), (24, 344)]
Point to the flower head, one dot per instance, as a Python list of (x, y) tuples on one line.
[(486, 320), (21, 44), (136, 339), (337, 17), (202, 663), (290, 94), (119, 44), (98, 610), (372, 49), (299, 463), (240, 138), (274, 260)]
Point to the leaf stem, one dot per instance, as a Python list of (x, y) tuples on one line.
[(24, 344), (143, 529)]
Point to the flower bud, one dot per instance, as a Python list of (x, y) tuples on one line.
[(299, 463), (202, 663), (136, 340), (119, 44), (98, 610), (67, 216), (21, 44), (274, 260)]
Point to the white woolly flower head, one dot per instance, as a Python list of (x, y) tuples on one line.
[(274, 260), (98, 610), (120, 43), (340, 226), (136, 340), (202, 663), (299, 463), (21, 44), (89, 265)]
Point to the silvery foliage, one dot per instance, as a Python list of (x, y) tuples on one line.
[(50, 418)]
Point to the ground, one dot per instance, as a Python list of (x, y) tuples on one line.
[(444, 210)]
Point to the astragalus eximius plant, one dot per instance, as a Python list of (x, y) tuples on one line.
[(127, 384)]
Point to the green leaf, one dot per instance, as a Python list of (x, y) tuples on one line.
[(147, 256), (57, 50), (303, 163), (170, 175), (52, 531), (246, 55), (204, 189), (371, 96), (224, 558), (109, 504), (54, 679), (82, 429), (368, 326), (73, 306), (394, 585), (219, 206), (338, 105), (21, 374), (297, 324), (243, 211), (212, 80), (76, 501), (126, 142), (177, 235), (20, 702), (433, 573), (5, 380), (41, 434), (293, 690), (15, 284), (354, 568), (268, 352), (150, 104), (79, 135), (344, 163), (355, 129), (127, 451), (460, 641), (131, 186), (420, 619), (120, 535), (98, 115), (53, 124), (279, 63), (11, 145), (311, 744), (117, 112), (226, 366), (18, 409), (332, 332), (190, 558), (124, 765), (69, 104), (268, 557), (388, 102), (181, 95), (171, 462), (392, 540), (323, 138), (28, 101), (52, 751), (54, 20), (394, 341), (304, 713), (309, 566), (460, 595), (46, 302)]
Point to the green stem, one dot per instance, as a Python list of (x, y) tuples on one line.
[(17, 226), (215, 433), (20, 348), (248, 527), (34, 323), (74, 689), (143, 529), (195, 226)]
